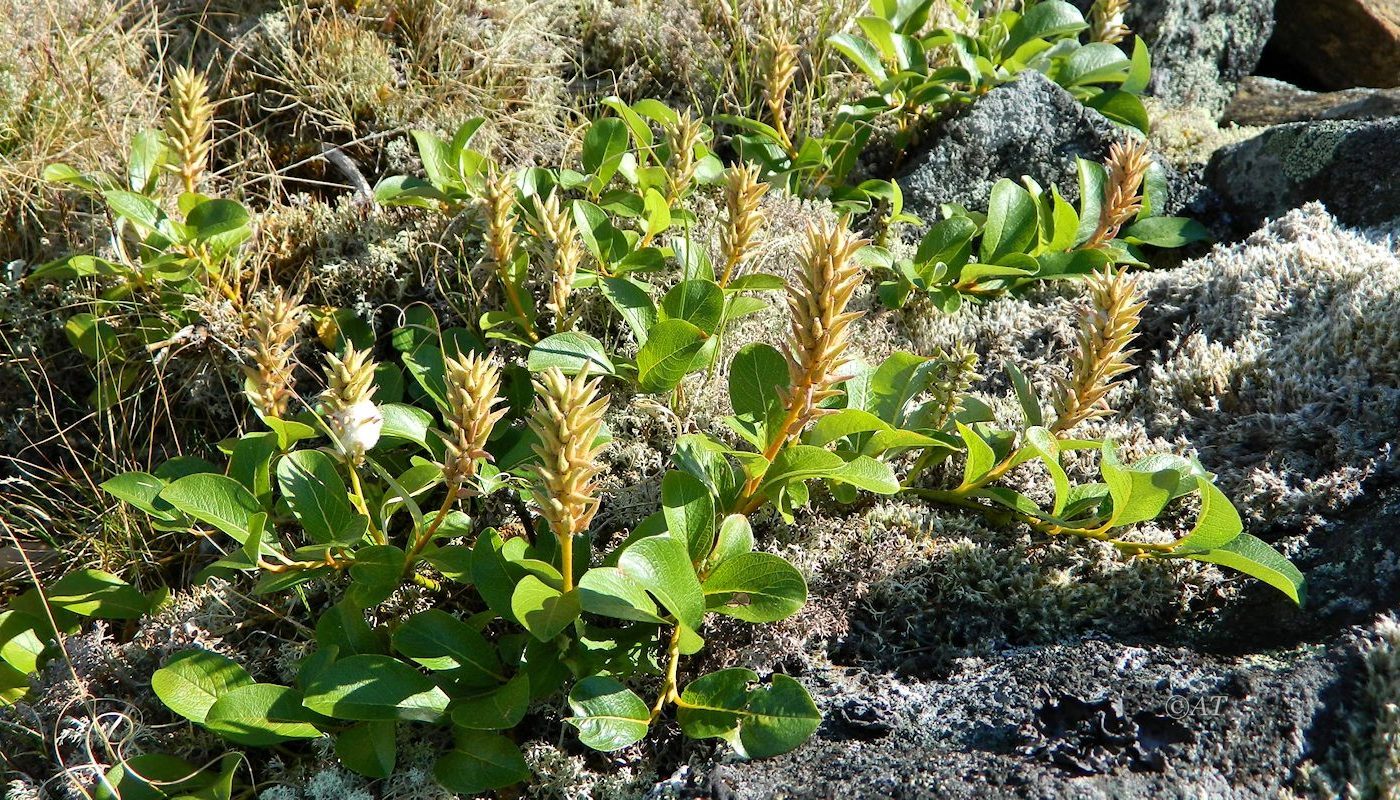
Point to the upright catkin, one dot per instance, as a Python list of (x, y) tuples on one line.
[(1106, 21), (682, 139), (272, 324), (348, 403), (474, 406), (778, 79), (188, 125), (742, 193), (1106, 330), (1127, 167), (567, 417), (556, 226)]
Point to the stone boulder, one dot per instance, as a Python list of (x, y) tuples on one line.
[(1200, 48), (1265, 101), (1352, 167), (1030, 126), (1340, 43)]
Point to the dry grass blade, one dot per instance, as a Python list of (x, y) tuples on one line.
[(1107, 329)]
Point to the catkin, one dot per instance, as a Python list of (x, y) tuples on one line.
[(1106, 21), (474, 408), (272, 324), (188, 125), (556, 227), (567, 417), (778, 79), (348, 403), (1108, 327), (1127, 167), (742, 193)]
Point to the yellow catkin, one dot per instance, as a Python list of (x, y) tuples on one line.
[(742, 193), (272, 324), (474, 407), (682, 138), (818, 337), (1106, 21), (778, 79), (1127, 167), (1107, 329), (188, 125), (348, 403), (556, 226), (567, 417)]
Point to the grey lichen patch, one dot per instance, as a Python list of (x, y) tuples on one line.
[(1187, 135), (1364, 763), (1304, 151)]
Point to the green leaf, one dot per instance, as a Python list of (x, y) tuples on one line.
[(215, 500), (543, 610), (735, 538), (150, 776), (1166, 232), (139, 489), (759, 722), (572, 352), (755, 587), (1217, 523), (436, 158), (439, 641), (1123, 107), (501, 708), (609, 592), (260, 714), (698, 301), (1138, 494), (756, 374), (1025, 396), (405, 423), (632, 302), (223, 224), (603, 148), (250, 463), (1011, 222), (980, 456), (661, 564), (1141, 70), (1257, 559), (479, 763), (669, 353), (193, 680), (608, 715), (368, 749), (313, 487), (377, 571), (22, 641), (374, 687), (1049, 19), (136, 208), (492, 575), (860, 53), (689, 509), (1096, 62), (1047, 448), (93, 593), (144, 162), (1093, 179)]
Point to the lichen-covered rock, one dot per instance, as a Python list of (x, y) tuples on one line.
[(1266, 101), (1027, 127), (1341, 43), (1200, 49), (1353, 167)]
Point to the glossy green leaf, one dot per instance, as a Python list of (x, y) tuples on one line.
[(500, 708), (1257, 559), (1011, 222), (669, 353), (374, 687), (755, 587), (661, 564), (689, 509), (479, 763), (439, 641), (571, 352), (756, 374), (369, 749), (192, 680), (610, 592), (608, 715), (543, 610), (94, 593), (759, 722), (312, 485), (260, 714), (215, 500)]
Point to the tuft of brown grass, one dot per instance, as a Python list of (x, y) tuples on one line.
[(1106, 331), (567, 417), (742, 193), (1127, 166), (188, 125), (272, 324)]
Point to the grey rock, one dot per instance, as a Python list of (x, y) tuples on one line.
[(1085, 719), (1200, 48), (1027, 127), (1352, 167), (1266, 101)]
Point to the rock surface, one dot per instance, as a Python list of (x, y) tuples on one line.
[(1266, 101), (1027, 127), (1341, 43), (1353, 167), (1200, 48)]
